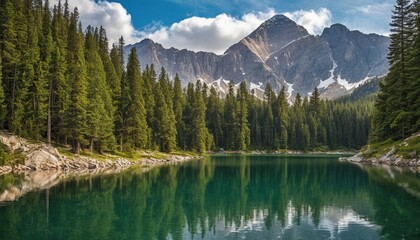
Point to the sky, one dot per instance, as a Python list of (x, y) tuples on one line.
[(215, 25)]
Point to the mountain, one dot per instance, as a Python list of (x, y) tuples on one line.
[(282, 53)]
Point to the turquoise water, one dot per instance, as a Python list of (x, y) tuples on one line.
[(223, 197)]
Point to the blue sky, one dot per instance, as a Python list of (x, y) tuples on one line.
[(361, 13), (214, 25)]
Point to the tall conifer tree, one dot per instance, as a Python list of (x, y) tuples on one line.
[(135, 123), (243, 136), (76, 78), (100, 110)]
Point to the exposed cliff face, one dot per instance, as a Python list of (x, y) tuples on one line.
[(189, 65), (357, 55), (280, 52)]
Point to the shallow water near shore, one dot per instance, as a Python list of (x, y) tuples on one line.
[(222, 197)]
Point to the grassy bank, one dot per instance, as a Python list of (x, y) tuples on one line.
[(408, 148)]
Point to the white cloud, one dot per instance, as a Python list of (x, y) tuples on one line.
[(370, 18), (377, 9), (208, 34), (111, 15), (313, 21)]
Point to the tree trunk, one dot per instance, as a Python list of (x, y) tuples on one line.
[(91, 145), (77, 149), (13, 98), (49, 114), (121, 143)]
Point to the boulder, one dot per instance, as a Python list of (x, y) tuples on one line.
[(92, 166), (389, 156), (412, 155), (356, 158)]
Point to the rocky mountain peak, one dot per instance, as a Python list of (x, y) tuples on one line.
[(336, 29), (276, 32), (276, 21)]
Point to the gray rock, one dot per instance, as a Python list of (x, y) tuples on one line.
[(412, 155), (356, 158), (389, 156), (92, 166)]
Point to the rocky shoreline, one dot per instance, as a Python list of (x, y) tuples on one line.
[(43, 157), (389, 159), (44, 166), (403, 153)]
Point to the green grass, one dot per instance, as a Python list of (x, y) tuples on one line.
[(377, 150), (9, 158), (413, 145), (133, 155), (185, 154)]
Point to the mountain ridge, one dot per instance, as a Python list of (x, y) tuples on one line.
[(282, 53)]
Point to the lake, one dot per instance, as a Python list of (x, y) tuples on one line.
[(223, 197)]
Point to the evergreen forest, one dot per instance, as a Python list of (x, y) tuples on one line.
[(65, 84), (397, 107)]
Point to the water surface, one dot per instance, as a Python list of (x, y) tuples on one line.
[(223, 197)]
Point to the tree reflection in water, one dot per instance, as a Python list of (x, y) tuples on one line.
[(221, 197)]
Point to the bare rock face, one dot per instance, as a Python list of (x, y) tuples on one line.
[(358, 56), (282, 53)]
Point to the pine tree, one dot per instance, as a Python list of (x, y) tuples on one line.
[(164, 119), (149, 82), (314, 117), (135, 123), (231, 122), (76, 78), (413, 70), (121, 100), (179, 105), (283, 118), (163, 131), (37, 98), (269, 135), (255, 118), (10, 57), (315, 103), (200, 135), (100, 110), (117, 57), (187, 118), (112, 78), (243, 134), (59, 89), (60, 96), (391, 106), (215, 117)]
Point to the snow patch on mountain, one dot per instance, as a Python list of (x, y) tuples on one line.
[(257, 87), (330, 80), (350, 86), (289, 89)]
